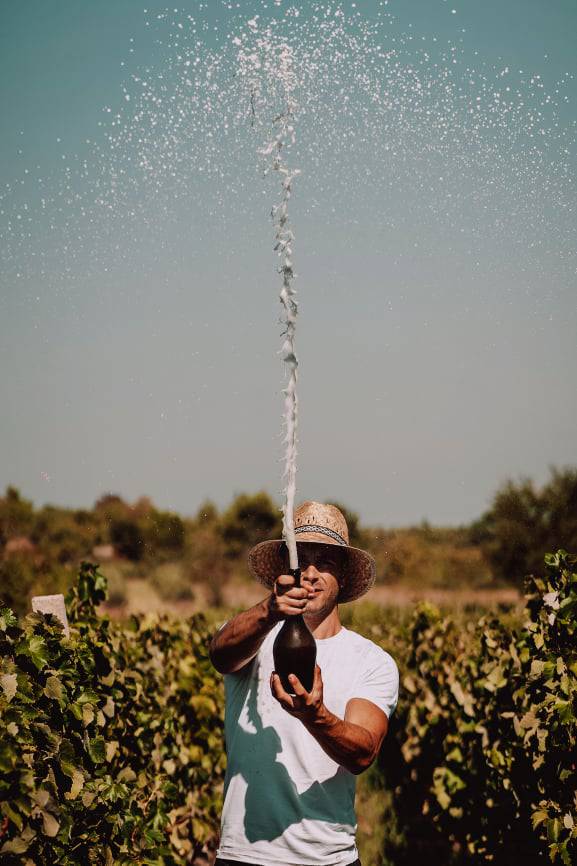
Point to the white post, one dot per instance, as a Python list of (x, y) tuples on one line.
[(52, 604)]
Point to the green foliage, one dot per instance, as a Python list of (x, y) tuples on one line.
[(16, 515), (482, 754), (212, 546), (524, 522), (171, 583), (207, 561), (116, 581), (165, 532), (17, 578), (248, 520), (207, 513), (110, 741), (21, 577), (63, 536), (127, 538), (442, 558)]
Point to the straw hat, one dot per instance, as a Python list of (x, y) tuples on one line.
[(316, 523)]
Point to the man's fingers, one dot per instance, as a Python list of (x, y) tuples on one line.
[(317, 682), (300, 690), (284, 583), (289, 601), (289, 591), (297, 592), (278, 691)]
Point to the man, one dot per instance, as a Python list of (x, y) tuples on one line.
[(292, 761)]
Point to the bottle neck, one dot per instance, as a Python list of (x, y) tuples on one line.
[(298, 620), (296, 573)]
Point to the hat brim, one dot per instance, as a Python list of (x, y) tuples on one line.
[(266, 563)]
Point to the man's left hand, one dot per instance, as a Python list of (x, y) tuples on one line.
[(303, 705)]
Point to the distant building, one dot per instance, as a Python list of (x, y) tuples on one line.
[(19, 544), (104, 552)]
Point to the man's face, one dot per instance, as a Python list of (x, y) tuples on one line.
[(322, 570)]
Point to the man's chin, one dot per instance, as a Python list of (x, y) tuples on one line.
[(318, 607)]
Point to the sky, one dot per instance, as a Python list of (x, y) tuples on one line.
[(434, 222)]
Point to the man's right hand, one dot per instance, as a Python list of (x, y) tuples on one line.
[(287, 599), (239, 639)]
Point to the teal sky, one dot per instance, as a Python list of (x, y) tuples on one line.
[(138, 347)]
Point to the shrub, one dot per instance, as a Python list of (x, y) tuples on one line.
[(524, 522), (482, 753), (164, 532), (128, 538), (171, 582), (17, 578), (431, 557), (116, 584), (110, 741), (16, 515), (207, 562), (248, 520)]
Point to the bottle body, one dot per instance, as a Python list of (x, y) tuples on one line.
[(295, 650)]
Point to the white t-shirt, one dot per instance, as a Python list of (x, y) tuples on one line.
[(286, 802)]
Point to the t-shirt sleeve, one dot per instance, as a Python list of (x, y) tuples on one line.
[(379, 680)]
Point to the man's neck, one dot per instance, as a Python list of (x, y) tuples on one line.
[(324, 625)]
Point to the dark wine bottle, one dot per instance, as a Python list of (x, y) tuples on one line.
[(294, 649)]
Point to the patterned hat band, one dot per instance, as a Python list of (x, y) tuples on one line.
[(323, 530), (266, 560)]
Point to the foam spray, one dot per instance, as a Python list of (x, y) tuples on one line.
[(285, 134), (267, 64)]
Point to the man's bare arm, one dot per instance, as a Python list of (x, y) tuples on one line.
[(353, 742), (239, 640)]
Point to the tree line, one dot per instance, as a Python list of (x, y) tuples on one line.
[(41, 548)]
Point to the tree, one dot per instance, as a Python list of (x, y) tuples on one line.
[(16, 515), (250, 518), (110, 502), (207, 513), (207, 562), (524, 522), (165, 532), (128, 539), (16, 581), (560, 508), (60, 536)]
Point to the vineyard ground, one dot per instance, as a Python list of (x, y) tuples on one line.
[(141, 597)]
